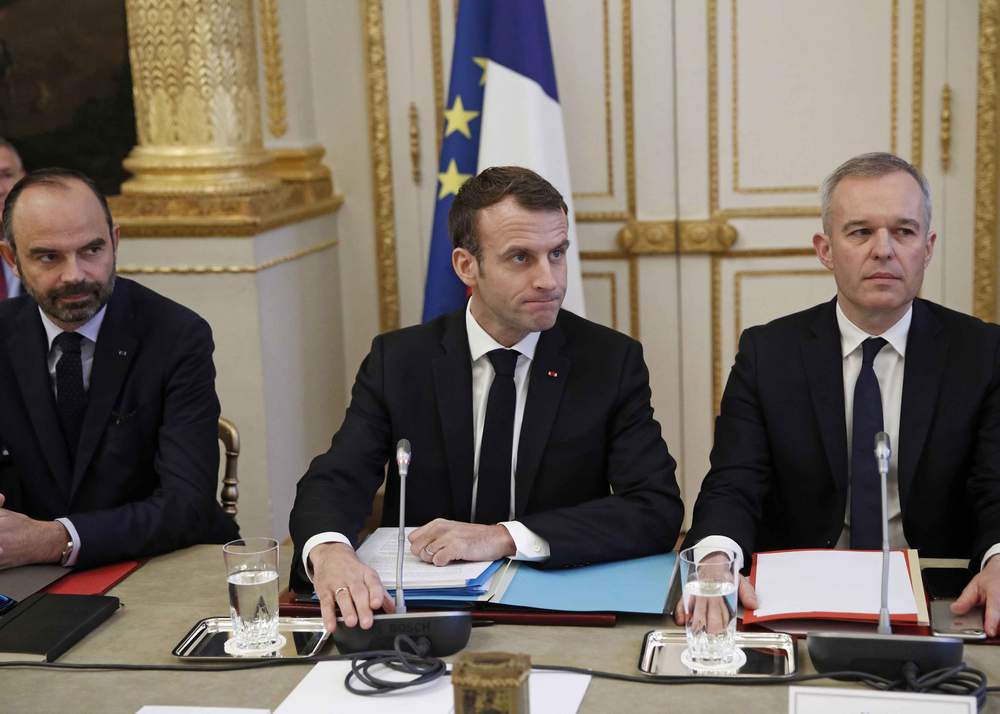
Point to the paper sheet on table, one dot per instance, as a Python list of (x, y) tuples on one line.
[(637, 585), (322, 690), (156, 709), (830, 583), (379, 552)]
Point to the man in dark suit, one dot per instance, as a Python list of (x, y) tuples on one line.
[(11, 171), (532, 431), (108, 423), (793, 463)]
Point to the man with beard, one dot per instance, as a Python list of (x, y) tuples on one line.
[(108, 411)]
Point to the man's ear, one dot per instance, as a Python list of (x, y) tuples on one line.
[(8, 255), (466, 266), (115, 234), (821, 243)]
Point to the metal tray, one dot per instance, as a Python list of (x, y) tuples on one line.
[(303, 638), (769, 654)]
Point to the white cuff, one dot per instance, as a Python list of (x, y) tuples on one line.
[(989, 554), (319, 539), (75, 537), (712, 543), (529, 545)]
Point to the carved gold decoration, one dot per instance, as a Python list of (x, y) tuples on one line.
[(767, 212), (438, 67), (612, 279), (633, 281), (712, 22), (379, 141), (661, 237), (303, 164), (223, 269), (987, 126), (917, 113), (894, 77), (414, 142), (600, 216), (274, 70), (716, 304), (194, 85), (945, 128), (610, 190), (629, 107)]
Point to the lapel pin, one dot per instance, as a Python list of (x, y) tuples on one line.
[(122, 353), (552, 373)]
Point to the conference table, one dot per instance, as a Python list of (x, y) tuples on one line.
[(168, 594)]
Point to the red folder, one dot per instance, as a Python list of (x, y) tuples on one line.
[(93, 581)]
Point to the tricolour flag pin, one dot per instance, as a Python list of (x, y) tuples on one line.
[(552, 373)]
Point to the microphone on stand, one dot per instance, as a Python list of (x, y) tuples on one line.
[(441, 633), (883, 654)]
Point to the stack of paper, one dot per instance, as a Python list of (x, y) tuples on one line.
[(466, 580)]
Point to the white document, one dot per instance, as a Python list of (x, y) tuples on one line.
[(831, 581), (828, 700), (156, 709), (323, 690), (379, 552)]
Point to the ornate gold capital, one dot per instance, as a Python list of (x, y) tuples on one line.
[(638, 237)]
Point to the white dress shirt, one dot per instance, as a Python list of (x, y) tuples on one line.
[(89, 330), (529, 545), (888, 367)]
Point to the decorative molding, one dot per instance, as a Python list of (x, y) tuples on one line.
[(738, 277), (768, 212), (223, 269), (945, 137), (984, 275), (633, 281), (379, 142), (194, 87), (638, 237), (600, 216), (434, 6), (612, 279), (712, 28), (274, 70), (917, 102), (894, 78), (414, 118), (608, 128), (628, 90), (300, 164)]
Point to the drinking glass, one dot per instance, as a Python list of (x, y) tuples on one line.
[(710, 582), (252, 573)]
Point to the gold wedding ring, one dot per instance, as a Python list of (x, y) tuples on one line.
[(337, 591)]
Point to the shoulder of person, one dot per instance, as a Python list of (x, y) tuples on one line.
[(960, 323), (153, 311)]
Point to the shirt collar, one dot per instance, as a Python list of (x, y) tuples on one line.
[(89, 329), (480, 341), (851, 336)]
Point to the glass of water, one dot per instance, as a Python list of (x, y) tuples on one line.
[(710, 580), (252, 573)]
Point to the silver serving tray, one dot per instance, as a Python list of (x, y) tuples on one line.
[(769, 654), (304, 637)]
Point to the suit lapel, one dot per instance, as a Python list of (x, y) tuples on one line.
[(116, 345), (926, 357), (546, 383), (453, 388), (821, 353), (28, 351)]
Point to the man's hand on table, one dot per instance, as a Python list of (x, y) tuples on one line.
[(983, 589), (24, 540), (343, 582), (712, 613), (442, 541)]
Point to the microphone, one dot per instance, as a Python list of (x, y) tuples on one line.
[(882, 654), (438, 633)]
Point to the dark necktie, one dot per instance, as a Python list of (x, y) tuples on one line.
[(71, 398), (493, 489), (866, 490)]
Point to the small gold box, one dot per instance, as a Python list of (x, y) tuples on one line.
[(491, 683)]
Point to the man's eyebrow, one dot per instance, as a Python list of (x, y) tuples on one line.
[(854, 224), (96, 243)]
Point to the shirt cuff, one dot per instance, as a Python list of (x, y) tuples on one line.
[(319, 539), (75, 537), (712, 543), (529, 545), (989, 554)]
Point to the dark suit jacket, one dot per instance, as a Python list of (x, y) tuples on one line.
[(587, 425), (779, 465), (147, 465)]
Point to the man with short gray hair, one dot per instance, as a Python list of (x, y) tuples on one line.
[(793, 463)]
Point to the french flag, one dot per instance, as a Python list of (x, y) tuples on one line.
[(502, 110)]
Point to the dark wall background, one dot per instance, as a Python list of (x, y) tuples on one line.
[(66, 87)]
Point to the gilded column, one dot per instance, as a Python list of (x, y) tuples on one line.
[(194, 75)]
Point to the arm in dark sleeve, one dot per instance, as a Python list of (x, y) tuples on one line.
[(181, 509), (337, 490), (643, 514), (984, 482), (732, 495)]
